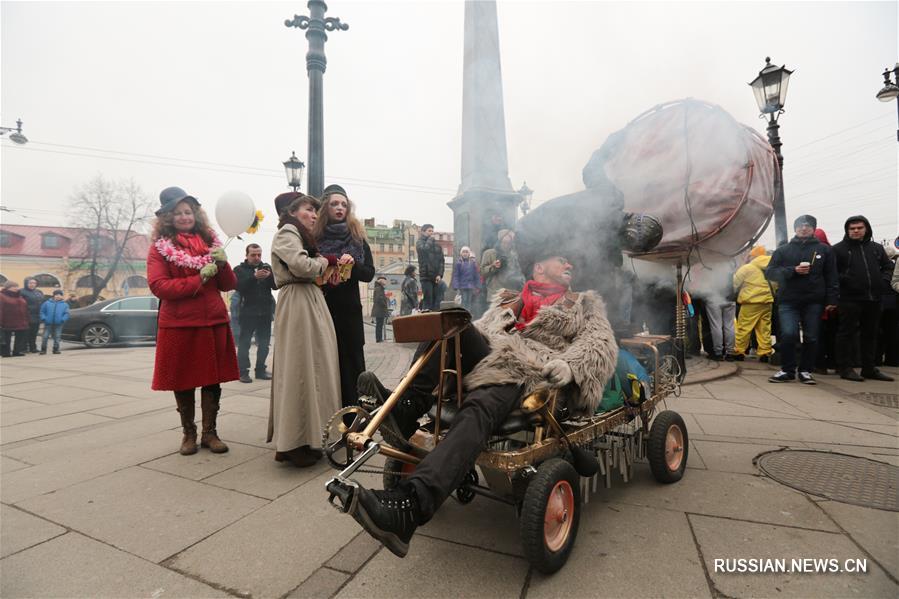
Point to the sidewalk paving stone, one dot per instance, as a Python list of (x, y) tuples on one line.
[(54, 394), (10, 404), (628, 551), (782, 430), (877, 531), (241, 428), (91, 404), (250, 405), (264, 477), (732, 457), (75, 566), (173, 512), (8, 465), (21, 530), (324, 582), (31, 430), (273, 550), (721, 539), (204, 463)]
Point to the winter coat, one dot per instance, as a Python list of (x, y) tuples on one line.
[(379, 302), (507, 276), (35, 300), (819, 286), (574, 330), (306, 383), (410, 295), (255, 294), (53, 312), (751, 284), (863, 266), (466, 274), (13, 311), (430, 258), (895, 281), (185, 300)]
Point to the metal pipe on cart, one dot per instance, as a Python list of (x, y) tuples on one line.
[(680, 328)]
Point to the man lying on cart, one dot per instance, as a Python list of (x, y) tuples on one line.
[(546, 334)]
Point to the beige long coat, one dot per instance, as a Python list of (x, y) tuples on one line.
[(306, 377)]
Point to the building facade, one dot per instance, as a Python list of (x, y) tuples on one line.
[(60, 258)]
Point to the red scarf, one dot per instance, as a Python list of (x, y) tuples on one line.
[(193, 243), (534, 296)]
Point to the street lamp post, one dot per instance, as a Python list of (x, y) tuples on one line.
[(890, 90), (770, 89), (526, 194), (316, 24), (15, 133), (293, 167)]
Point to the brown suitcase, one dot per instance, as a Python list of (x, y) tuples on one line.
[(430, 326)]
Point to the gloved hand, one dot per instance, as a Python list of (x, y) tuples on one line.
[(557, 372), (219, 255), (208, 271)]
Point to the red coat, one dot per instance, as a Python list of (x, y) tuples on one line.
[(194, 345), (13, 311), (186, 302)]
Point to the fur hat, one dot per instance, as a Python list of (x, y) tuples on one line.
[(284, 200), (334, 188)]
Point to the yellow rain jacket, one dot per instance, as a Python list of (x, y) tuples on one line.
[(750, 282)]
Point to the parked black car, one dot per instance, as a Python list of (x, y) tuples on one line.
[(123, 319)]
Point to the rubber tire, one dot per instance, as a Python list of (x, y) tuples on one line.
[(533, 510), (392, 480), (97, 325), (655, 451)]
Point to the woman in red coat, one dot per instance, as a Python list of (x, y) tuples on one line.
[(13, 319), (187, 270)]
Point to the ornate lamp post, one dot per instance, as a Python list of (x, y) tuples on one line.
[(770, 89), (16, 135), (526, 194), (890, 90), (294, 167), (316, 24)]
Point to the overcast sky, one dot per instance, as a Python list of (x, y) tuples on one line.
[(213, 96)]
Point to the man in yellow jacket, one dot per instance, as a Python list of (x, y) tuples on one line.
[(755, 299)]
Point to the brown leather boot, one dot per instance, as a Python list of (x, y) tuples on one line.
[(209, 402), (186, 408)]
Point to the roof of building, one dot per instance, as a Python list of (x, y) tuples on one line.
[(29, 240)]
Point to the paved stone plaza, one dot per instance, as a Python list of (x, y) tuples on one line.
[(96, 502)]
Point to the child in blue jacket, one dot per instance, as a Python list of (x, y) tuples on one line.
[(54, 313)]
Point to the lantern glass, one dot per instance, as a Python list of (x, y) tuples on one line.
[(293, 168), (770, 88)]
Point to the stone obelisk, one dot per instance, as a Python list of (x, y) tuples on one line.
[(485, 189)]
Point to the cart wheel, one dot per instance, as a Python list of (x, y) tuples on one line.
[(549, 515), (668, 447), (393, 465), (463, 493)]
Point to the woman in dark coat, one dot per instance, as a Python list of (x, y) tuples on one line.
[(187, 270), (379, 309), (409, 292), (35, 299), (13, 319), (339, 233)]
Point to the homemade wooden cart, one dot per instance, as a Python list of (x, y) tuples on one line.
[(540, 460)]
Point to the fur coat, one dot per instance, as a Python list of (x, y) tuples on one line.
[(580, 335)]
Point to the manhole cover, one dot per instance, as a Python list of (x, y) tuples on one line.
[(836, 476), (887, 400)]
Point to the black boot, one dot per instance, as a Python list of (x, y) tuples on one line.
[(851, 375), (389, 516), (876, 375), (209, 402)]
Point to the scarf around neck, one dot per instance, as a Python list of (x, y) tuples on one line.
[(534, 296), (338, 240)]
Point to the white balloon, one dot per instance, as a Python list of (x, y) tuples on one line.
[(235, 212)]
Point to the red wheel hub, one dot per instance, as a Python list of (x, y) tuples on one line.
[(558, 516), (674, 447)]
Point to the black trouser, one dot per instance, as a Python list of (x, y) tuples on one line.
[(888, 340), (429, 294), (827, 340), (31, 338), (864, 318), (379, 328), (14, 347), (261, 326), (443, 470)]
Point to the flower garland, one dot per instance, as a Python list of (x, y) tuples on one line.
[(180, 257)]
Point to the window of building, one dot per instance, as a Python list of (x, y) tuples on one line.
[(50, 241), (46, 280), (5, 240), (86, 281), (136, 282), (381, 261), (380, 247)]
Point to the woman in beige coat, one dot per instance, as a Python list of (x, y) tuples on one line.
[(306, 381)]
